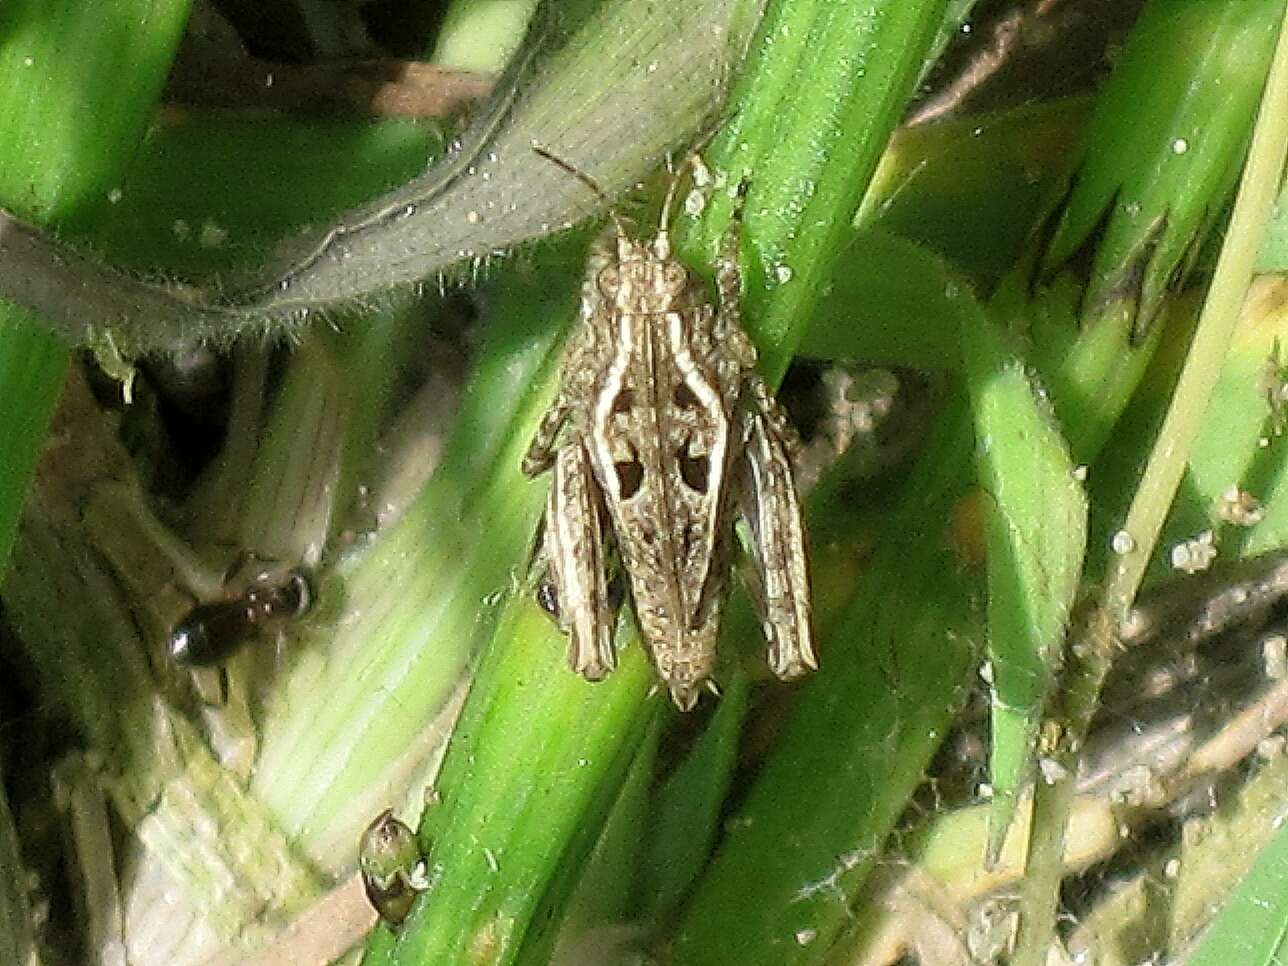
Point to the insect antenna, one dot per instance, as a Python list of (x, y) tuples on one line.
[(569, 168)]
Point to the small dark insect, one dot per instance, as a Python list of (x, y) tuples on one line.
[(211, 633), (393, 870)]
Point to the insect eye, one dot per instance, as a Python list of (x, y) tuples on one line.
[(297, 594)]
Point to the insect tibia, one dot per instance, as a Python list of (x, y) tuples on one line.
[(768, 500), (576, 551), (540, 454)]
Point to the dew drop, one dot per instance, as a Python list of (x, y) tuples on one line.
[(1052, 771), (1195, 555), (1180, 146), (1274, 655), (1122, 543)]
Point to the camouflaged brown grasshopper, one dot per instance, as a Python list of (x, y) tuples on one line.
[(661, 436)]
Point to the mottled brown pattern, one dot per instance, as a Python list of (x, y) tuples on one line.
[(662, 434)]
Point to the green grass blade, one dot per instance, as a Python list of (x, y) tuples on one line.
[(1162, 475), (529, 777), (970, 189), (1253, 927), (1036, 525), (820, 93), (894, 670), (77, 85), (1166, 143), (686, 810), (261, 179), (598, 893), (890, 301)]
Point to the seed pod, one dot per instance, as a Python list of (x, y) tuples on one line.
[(392, 867)]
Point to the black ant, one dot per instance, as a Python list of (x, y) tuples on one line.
[(211, 633)]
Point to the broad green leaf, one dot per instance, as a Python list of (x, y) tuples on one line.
[(889, 301)]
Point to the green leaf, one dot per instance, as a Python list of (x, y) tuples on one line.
[(1036, 525), (890, 301), (77, 86), (971, 189), (1164, 148), (894, 671), (609, 86), (686, 810), (1252, 929), (821, 91), (532, 770), (261, 179)]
